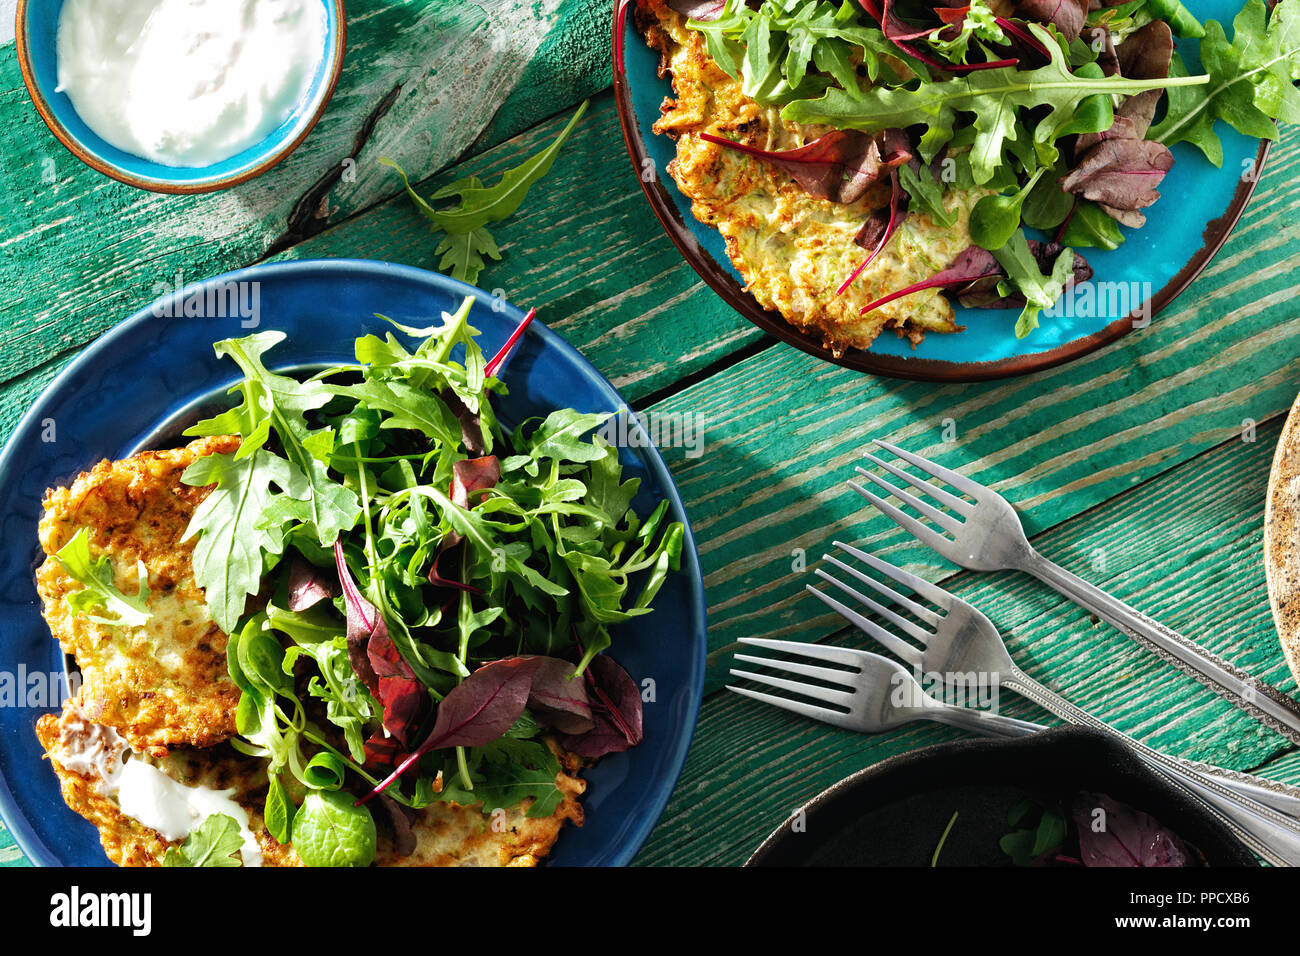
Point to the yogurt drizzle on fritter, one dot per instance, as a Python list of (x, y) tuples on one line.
[(142, 791)]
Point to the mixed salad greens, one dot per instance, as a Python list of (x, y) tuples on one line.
[(415, 597), (1060, 113)]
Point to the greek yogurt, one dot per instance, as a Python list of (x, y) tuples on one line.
[(188, 83)]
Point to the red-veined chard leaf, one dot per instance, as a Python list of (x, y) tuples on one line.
[(1114, 834), (616, 708), (840, 165), (477, 711), (558, 699), (376, 660)]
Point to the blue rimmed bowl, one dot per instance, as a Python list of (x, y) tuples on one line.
[(36, 35), (161, 370)]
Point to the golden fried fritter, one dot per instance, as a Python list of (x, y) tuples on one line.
[(446, 834), (792, 249), (127, 841), (164, 682)]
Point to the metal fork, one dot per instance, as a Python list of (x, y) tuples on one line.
[(957, 640), (880, 694), (988, 536)]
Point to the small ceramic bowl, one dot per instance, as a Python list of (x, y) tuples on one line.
[(37, 29)]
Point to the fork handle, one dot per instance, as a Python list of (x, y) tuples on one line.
[(1268, 833), (984, 722), (1262, 701)]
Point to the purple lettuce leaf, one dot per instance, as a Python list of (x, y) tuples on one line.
[(1066, 15), (1122, 175), (559, 700), (1114, 834), (616, 708)]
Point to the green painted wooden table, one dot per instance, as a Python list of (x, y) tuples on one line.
[(1142, 466)]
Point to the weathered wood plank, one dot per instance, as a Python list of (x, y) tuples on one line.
[(584, 249), (783, 431), (619, 290), (115, 247), (1186, 545)]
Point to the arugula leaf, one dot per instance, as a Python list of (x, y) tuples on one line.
[(406, 407), (214, 842), (995, 97), (505, 773), (467, 238), (463, 254), (278, 402), (1251, 80), (925, 190), (559, 435), (773, 48), (233, 542), (98, 587)]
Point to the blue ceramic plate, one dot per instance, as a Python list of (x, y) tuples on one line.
[(149, 373), (1199, 205), (37, 30)]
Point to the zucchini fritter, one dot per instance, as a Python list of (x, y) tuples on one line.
[(445, 834), (165, 682), (792, 249)]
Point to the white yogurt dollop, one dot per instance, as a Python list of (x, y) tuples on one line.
[(148, 795), (188, 83), (143, 792)]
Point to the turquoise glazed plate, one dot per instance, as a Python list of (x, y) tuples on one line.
[(148, 379), (1198, 208)]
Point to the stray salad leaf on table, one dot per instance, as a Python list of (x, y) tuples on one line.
[(467, 243)]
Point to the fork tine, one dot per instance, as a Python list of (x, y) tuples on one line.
[(890, 615), (960, 482), (931, 592), (806, 670), (824, 714), (826, 695), (922, 532), (909, 654), (952, 501), (822, 652), (942, 519)]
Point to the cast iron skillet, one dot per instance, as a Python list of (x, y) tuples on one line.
[(894, 813)]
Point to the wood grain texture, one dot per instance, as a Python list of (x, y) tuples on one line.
[(1129, 466), (584, 249), (409, 67), (1185, 546)]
